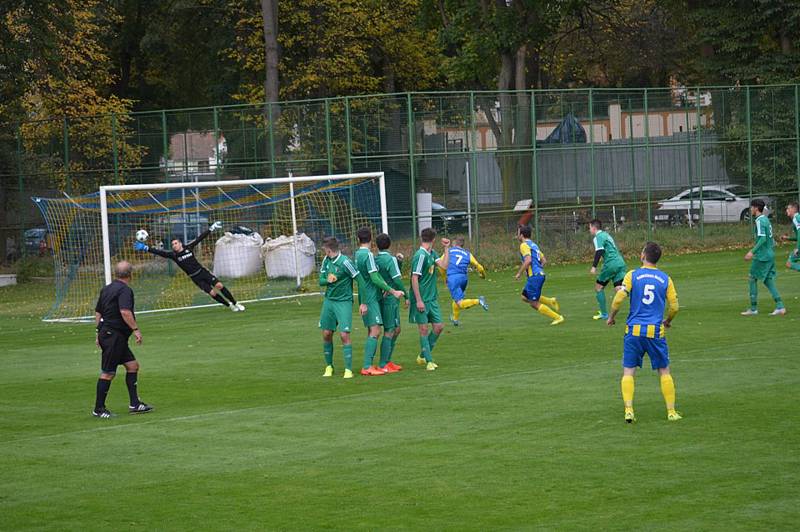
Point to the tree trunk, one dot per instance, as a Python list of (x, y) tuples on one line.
[(522, 129), (269, 16)]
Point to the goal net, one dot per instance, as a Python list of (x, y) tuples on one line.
[(269, 246)]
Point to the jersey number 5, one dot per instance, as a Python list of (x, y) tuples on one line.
[(649, 294)]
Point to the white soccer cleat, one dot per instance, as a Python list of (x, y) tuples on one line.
[(749, 312), (239, 307), (778, 312), (233, 307)]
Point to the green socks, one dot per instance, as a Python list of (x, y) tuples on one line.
[(370, 347), (348, 356), (601, 301), (387, 344), (432, 338), (426, 348), (327, 350), (773, 290), (753, 294)]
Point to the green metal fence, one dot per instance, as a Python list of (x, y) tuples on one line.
[(617, 154)]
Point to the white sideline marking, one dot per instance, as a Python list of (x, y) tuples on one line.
[(363, 394)]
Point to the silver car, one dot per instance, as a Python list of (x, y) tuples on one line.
[(721, 203)]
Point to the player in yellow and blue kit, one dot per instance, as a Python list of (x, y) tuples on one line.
[(460, 261), (650, 290), (533, 262)]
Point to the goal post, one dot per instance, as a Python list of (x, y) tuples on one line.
[(268, 248)]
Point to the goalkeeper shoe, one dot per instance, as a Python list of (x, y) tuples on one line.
[(103, 413), (674, 416), (348, 374), (558, 321), (233, 307), (372, 371), (629, 416), (141, 408), (239, 307), (431, 366), (482, 302), (421, 361), (392, 367), (328, 371), (749, 312), (599, 316)]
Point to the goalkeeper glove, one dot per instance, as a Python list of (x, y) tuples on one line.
[(215, 226), (140, 246)]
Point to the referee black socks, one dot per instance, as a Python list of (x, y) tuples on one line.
[(130, 379), (103, 386)]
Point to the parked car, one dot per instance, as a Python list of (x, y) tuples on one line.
[(37, 241), (721, 203), (447, 221)]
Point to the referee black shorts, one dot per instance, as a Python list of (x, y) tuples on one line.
[(205, 280), (114, 345)]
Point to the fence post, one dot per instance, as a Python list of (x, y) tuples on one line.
[(797, 135), (20, 191), (349, 162), (217, 151), (68, 181), (328, 147), (749, 145), (114, 148), (633, 161), (411, 170), (699, 165), (165, 145), (648, 169), (473, 171), (591, 153), (534, 169), (689, 156)]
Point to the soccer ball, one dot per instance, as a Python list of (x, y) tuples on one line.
[(141, 235)]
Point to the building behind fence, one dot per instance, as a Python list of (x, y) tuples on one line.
[(572, 154)]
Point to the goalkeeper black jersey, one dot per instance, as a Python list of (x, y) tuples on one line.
[(185, 259)]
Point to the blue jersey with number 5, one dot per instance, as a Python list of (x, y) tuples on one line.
[(648, 289), (459, 261)]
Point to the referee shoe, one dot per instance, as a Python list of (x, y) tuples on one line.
[(141, 408)]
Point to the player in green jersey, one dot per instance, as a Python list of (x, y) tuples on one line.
[(389, 268), (425, 294), (792, 211), (336, 276), (613, 269), (762, 267), (370, 293)]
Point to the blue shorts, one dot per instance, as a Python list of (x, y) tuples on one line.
[(533, 287), (457, 284), (634, 348)]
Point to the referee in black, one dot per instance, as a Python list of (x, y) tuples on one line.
[(115, 323)]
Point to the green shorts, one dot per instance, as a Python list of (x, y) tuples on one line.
[(373, 315), (336, 314), (390, 310), (763, 270), (615, 275), (432, 313)]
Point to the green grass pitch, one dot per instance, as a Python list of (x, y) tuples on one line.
[(521, 426)]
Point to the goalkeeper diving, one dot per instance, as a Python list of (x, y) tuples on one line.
[(183, 256)]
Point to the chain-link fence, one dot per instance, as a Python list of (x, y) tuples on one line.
[(680, 161)]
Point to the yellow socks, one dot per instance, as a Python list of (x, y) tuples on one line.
[(550, 301), (668, 391), (465, 304), (547, 311), (627, 391)]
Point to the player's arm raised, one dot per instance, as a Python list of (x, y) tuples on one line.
[(477, 265), (204, 234), (141, 246), (619, 297), (444, 261)]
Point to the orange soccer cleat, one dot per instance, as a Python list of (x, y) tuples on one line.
[(372, 371)]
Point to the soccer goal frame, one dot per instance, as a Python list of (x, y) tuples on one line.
[(290, 180)]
